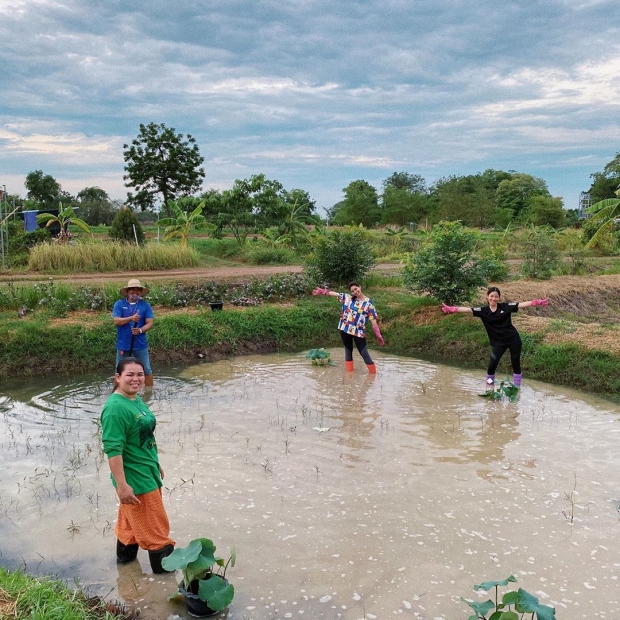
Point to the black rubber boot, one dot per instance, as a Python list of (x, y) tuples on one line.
[(126, 553), (155, 557)]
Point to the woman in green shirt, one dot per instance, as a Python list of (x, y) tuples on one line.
[(128, 427)]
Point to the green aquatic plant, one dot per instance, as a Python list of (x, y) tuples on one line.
[(506, 388), (203, 572), (320, 357), (513, 606)]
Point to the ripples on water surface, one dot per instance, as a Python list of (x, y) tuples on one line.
[(346, 496)]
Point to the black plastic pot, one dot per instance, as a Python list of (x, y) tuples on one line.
[(216, 305), (195, 606)]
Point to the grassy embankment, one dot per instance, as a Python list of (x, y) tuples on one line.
[(23, 597), (553, 351)]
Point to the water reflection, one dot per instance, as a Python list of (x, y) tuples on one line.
[(346, 495)]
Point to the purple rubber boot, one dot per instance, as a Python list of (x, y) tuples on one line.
[(490, 381), (516, 379)]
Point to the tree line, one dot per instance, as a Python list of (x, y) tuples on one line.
[(164, 168)]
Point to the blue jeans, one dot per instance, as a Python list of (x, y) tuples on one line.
[(139, 354)]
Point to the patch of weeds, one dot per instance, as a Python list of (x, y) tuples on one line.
[(561, 326)]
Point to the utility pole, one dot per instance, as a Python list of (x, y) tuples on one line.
[(2, 222)]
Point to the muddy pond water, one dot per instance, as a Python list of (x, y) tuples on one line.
[(346, 496)]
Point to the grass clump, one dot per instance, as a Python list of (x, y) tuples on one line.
[(23, 597)]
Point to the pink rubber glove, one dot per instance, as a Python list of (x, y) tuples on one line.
[(320, 291), (540, 302), (449, 309), (375, 328)]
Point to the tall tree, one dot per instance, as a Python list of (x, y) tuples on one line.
[(43, 188), (465, 198), (360, 205), (516, 193), (95, 206), (414, 183), (161, 162), (605, 184), (545, 210), (404, 199), (92, 194)]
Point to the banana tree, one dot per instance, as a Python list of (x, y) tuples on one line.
[(606, 214), (182, 223), (66, 217)]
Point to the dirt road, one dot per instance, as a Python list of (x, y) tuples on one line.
[(173, 275)]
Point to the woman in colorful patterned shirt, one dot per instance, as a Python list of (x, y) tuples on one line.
[(503, 335), (127, 433), (357, 309)]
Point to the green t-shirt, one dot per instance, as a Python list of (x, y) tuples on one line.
[(128, 428)]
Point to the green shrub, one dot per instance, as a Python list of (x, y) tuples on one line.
[(340, 257), (541, 256), (21, 241), (126, 227), (445, 266), (493, 263)]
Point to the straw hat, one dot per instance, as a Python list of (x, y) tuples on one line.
[(133, 283)]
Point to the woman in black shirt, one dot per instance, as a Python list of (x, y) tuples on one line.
[(502, 333)]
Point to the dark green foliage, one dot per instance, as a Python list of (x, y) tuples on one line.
[(605, 184), (122, 228), (340, 257), (360, 206), (21, 241), (44, 189), (95, 206), (546, 211), (466, 199), (445, 267)]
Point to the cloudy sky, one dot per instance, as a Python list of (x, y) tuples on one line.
[(313, 93)]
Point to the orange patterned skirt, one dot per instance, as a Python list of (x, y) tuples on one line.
[(145, 523)]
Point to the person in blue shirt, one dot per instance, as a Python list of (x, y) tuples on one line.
[(133, 317)]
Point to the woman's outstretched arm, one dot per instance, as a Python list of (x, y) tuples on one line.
[(324, 291), (534, 302), (451, 309)]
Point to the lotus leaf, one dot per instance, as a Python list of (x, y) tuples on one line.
[(216, 592)]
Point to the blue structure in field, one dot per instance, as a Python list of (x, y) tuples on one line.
[(30, 221)]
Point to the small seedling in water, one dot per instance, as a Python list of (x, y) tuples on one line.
[(287, 443), (506, 389), (316, 468), (73, 528), (265, 466)]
